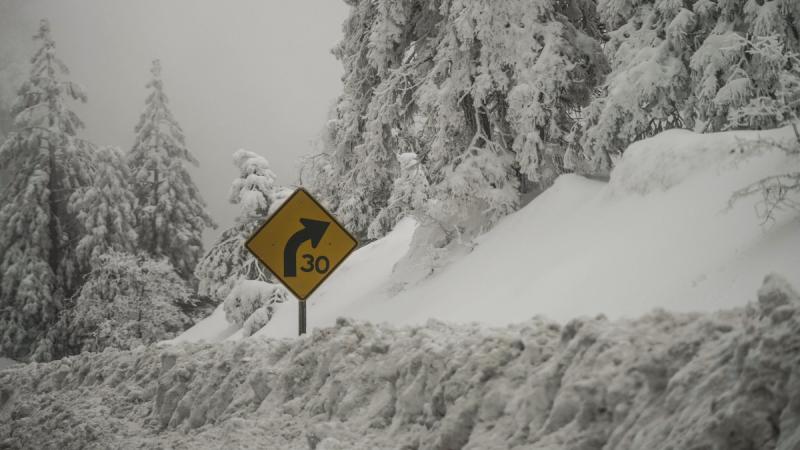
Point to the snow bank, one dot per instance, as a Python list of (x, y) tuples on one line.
[(657, 236), (724, 380), (213, 328), (671, 157)]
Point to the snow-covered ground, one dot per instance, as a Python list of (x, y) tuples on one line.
[(658, 235), (728, 380), (213, 328)]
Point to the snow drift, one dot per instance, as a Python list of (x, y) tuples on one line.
[(727, 380)]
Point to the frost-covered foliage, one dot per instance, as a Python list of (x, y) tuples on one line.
[(776, 192), (45, 163), (409, 196), (105, 209), (253, 189), (772, 95), (250, 303), (649, 83), (128, 301), (742, 59), (171, 214), (228, 261), (778, 104), (684, 65), (484, 92), (724, 380)]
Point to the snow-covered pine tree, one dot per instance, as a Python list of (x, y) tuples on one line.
[(682, 64), (105, 209), (502, 96), (170, 210), (730, 68), (648, 90), (378, 84), (45, 162), (775, 91), (104, 216), (409, 195), (318, 170), (228, 260), (485, 93)]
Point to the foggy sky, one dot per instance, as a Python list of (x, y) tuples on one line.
[(254, 74)]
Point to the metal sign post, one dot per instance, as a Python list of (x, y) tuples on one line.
[(302, 313)]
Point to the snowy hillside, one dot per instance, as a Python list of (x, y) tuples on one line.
[(657, 236), (728, 380)]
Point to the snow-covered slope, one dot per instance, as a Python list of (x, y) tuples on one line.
[(657, 235), (213, 328), (728, 380), (622, 249)]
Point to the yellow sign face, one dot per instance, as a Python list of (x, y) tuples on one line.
[(302, 244)]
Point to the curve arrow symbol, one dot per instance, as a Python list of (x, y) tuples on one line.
[(312, 230)]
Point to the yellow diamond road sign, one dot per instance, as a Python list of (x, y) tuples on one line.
[(302, 244)]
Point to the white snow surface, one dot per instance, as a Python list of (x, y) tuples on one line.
[(658, 235), (213, 328), (725, 380)]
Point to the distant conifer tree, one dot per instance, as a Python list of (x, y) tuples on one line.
[(46, 163), (171, 214)]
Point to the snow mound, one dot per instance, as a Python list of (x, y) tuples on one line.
[(669, 158), (213, 328), (724, 380)]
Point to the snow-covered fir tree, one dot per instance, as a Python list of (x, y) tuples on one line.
[(771, 96), (46, 163), (409, 195), (363, 164), (649, 47), (171, 214), (257, 195), (128, 301), (682, 64), (485, 93), (104, 215), (105, 209)]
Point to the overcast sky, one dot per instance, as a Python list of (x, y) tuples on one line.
[(254, 74)]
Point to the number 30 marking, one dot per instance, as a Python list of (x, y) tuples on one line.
[(320, 264)]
